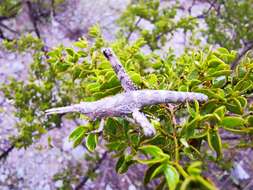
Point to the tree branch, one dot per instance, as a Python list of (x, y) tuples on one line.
[(241, 54), (33, 18), (128, 85), (85, 178), (6, 152), (129, 102), (125, 103), (125, 81)]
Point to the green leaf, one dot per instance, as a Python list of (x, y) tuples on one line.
[(154, 151), (157, 171), (77, 135), (214, 141), (215, 61), (190, 110), (91, 142), (136, 78), (152, 161), (189, 128), (76, 132), (243, 101), (243, 86), (220, 112), (234, 106), (81, 44), (219, 82), (232, 121), (123, 163), (94, 31), (149, 172), (250, 120), (70, 52), (212, 94), (194, 169), (171, 176), (120, 163), (220, 73)]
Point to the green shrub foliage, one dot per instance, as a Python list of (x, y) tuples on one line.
[(230, 23), (178, 152), (159, 19)]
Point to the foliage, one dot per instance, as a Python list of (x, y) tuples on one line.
[(40, 9), (9, 8), (178, 152), (159, 19), (230, 23)]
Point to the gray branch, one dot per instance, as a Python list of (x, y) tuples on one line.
[(125, 103), (142, 120), (128, 102), (126, 83)]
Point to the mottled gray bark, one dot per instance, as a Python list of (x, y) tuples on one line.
[(126, 83), (129, 102), (142, 120), (124, 103)]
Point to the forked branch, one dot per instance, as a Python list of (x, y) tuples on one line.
[(128, 102)]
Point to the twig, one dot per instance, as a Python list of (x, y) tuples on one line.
[(53, 8), (9, 29), (85, 178), (33, 19), (6, 152), (241, 54), (132, 30)]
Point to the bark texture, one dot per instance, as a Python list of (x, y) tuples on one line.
[(129, 102)]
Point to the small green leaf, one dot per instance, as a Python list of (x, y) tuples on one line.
[(123, 163), (152, 161), (232, 121), (220, 111), (190, 110), (76, 132), (81, 44), (214, 141), (250, 120), (70, 52), (234, 105), (215, 61), (135, 77), (149, 172), (220, 73), (91, 142), (157, 171), (172, 176), (194, 169), (243, 86), (154, 151), (184, 142), (243, 101), (119, 163)]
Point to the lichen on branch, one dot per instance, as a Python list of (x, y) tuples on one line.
[(128, 102)]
